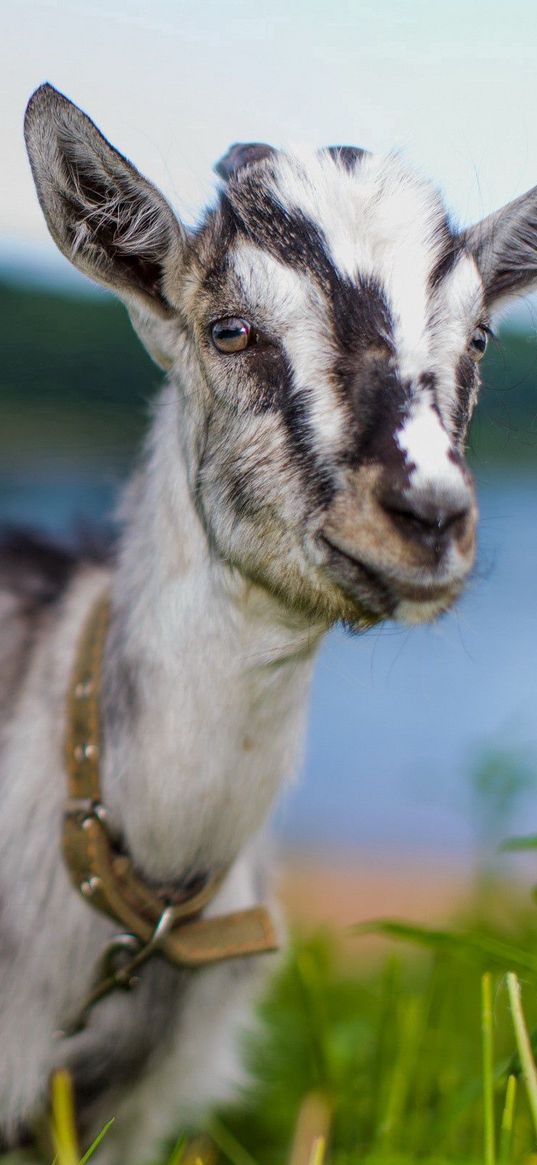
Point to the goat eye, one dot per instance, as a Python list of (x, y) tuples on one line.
[(478, 343), (231, 335)]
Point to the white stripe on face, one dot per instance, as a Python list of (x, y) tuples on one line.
[(296, 314), (380, 222), (427, 447), (458, 307)]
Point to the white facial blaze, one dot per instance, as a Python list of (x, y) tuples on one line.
[(296, 313), (427, 447), (458, 310), (380, 222)]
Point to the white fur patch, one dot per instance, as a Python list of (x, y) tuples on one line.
[(294, 309), (380, 222), (426, 445), (383, 222), (463, 291), (457, 311)]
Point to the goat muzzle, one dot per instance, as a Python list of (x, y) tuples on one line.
[(386, 543)]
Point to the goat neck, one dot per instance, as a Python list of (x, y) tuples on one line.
[(206, 679)]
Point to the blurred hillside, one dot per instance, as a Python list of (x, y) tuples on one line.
[(75, 384)]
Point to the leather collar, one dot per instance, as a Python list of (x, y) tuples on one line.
[(105, 876)]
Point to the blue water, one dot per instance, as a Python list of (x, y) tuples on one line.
[(398, 717)]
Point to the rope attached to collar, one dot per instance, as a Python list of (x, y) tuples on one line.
[(154, 921)]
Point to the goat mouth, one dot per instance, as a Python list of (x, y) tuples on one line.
[(382, 593), (362, 583)]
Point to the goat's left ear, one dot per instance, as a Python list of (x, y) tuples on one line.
[(104, 216), (504, 246)]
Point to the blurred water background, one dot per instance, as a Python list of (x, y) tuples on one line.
[(404, 725)]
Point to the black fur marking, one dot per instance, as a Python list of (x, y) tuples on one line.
[(221, 227), (293, 409), (364, 367), (429, 382), (294, 412), (361, 317), (466, 377), (290, 236), (381, 403), (267, 363), (361, 324), (294, 239)]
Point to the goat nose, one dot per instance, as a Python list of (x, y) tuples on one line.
[(432, 518)]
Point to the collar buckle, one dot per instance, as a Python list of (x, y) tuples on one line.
[(118, 964)]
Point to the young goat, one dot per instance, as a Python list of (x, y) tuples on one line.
[(321, 331)]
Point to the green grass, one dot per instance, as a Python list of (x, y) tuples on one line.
[(419, 1060), (423, 1057)]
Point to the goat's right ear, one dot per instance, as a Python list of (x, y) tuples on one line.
[(504, 246), (104, 216)]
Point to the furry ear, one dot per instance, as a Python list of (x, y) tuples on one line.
[(242, 154), (504, 246), (104, 216)]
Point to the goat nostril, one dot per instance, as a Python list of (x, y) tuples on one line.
[(431, 520), (454, 521)]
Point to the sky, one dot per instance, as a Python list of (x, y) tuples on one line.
[(171, 83)]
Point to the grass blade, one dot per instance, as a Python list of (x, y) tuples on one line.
[(178, 1152), (201, 1149), (311, 1130), (403, 1072), (63, 1119), (228, 1144), (95, 1144), (508, 1116), (529, 1072), (317, 1151), (488, 1069), (514, 844), (475, 944)]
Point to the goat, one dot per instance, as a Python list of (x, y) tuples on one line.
[(321, 330)]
